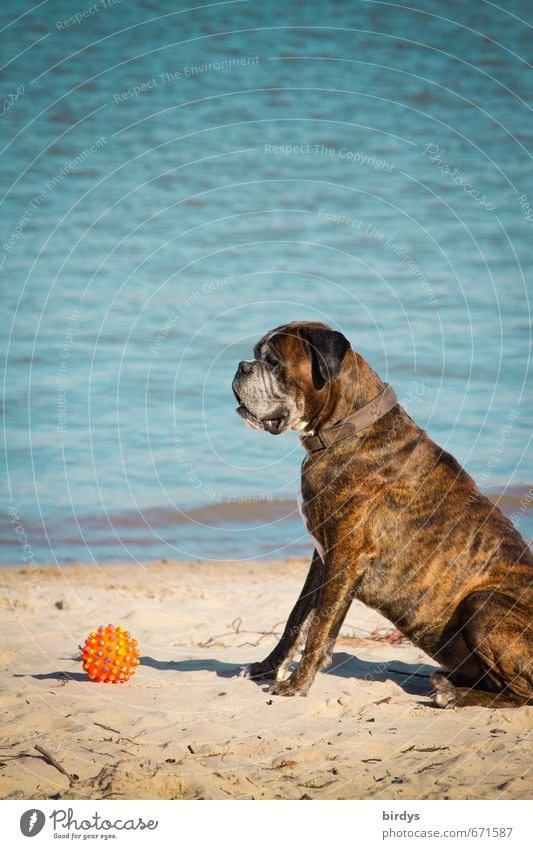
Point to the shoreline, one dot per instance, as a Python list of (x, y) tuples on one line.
[(242, 529)]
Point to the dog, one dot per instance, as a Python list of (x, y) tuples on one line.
[(397, 523)]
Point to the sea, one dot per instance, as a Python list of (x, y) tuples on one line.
[(177, 178)]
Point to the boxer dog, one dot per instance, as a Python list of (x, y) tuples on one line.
[(397, 524)]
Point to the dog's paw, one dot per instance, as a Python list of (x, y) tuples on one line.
[(287, 688), (257, 671), (445, 695)]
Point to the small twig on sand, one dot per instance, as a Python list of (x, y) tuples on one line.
[(120, 734), (424, 749), (271, 633), (236, 625), (108, 728), (428, 767), (72, 777)]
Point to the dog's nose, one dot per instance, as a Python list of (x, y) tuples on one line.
[(245, 367)]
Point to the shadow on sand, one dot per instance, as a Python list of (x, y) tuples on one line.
[(57, 675), (411, 677)]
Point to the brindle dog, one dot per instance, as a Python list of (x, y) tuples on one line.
[(397, 523)]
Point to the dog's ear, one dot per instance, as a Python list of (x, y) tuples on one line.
[(327, 349)]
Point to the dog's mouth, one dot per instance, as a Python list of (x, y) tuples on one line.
[(272, 425)]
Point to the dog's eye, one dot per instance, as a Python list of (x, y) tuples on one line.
[(272, 361)]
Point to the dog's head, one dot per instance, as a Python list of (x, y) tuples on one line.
[(291, 378)]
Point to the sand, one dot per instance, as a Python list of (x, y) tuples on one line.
[(186, 726)]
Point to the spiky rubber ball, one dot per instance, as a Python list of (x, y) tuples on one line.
[(110, 655)]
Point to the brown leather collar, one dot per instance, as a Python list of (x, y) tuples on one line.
[(366, 416)]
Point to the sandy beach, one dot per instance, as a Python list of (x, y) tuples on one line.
[(186, 726)]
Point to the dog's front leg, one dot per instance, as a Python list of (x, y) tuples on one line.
[(294, 632), (333, 604)]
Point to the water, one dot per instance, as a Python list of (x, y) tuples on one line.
[(176, 183)]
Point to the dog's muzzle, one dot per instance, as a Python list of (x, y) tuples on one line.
[(274, 421)]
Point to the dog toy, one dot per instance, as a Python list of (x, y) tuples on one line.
[(110, 655)]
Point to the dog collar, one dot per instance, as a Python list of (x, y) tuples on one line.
[(361, 419)]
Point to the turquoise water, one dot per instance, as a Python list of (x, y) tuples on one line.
[(174, 183)]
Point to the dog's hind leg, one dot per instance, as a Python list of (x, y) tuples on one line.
[(497, 631), (447, 695), (295, 631)]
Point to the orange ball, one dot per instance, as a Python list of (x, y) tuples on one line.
[(110, 655)]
